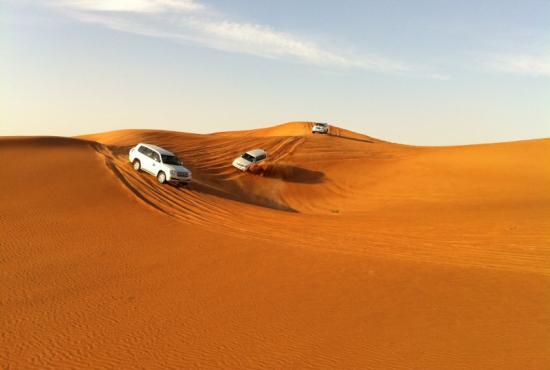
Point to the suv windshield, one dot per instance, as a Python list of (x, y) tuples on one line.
[(171, 159), (248, 157)]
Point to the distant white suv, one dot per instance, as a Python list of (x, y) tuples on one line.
[(249, 159), (320, 128), (161, 163)]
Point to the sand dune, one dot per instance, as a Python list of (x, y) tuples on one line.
[(342, 251)]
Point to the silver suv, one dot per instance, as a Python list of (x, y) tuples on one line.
[(159, 162)]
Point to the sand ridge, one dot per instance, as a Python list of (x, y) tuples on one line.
[(363, 184)]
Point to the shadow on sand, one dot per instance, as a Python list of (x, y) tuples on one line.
[(238, 195), (351, 138), (290, 173)]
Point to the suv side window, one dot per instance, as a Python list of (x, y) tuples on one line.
[(148, 152), (260, 157), (155, 156), (142, 150)]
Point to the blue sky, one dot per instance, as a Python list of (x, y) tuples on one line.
[(417, 72)]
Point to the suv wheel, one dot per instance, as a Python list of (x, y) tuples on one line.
[(161, 177), (137, 164)]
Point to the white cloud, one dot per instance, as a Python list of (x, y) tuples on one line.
[(190, 21), (534, 65), (135, 6), (264, 41)]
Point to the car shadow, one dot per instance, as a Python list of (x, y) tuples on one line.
[(290, 173)]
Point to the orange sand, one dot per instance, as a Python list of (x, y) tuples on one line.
[(341, 252)]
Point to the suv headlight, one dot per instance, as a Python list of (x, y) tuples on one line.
[(173, 172)]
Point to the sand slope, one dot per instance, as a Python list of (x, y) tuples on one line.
[(343, 251)]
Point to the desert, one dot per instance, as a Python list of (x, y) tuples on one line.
[(341, 251)]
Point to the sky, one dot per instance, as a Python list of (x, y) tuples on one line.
[(424, 72)]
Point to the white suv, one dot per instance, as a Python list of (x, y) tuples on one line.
[(161, 163), (249, 159), (320, 128)]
